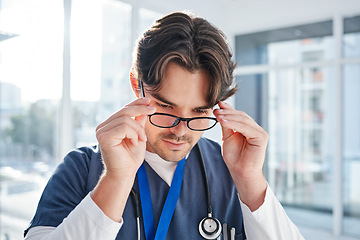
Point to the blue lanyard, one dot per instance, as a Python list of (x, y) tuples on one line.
[(169, 206)]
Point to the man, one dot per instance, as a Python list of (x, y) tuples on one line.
[(182, 69)]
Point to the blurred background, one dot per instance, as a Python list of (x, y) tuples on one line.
[(64, 68)]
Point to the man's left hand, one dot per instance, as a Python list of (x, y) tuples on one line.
[(244, 148)]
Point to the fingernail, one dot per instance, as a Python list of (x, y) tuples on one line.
[(151, 107)]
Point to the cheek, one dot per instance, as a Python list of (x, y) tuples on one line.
[(150, 129), (153, 132), (195, 136)]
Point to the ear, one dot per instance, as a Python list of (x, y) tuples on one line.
[(134, 84)]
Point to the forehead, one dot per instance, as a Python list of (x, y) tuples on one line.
[(183, 87)]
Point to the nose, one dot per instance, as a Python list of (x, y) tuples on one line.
[(180, 129)]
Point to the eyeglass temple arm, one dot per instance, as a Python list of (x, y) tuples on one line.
[(142, 92)]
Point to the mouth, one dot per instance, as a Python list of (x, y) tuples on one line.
[(174, 145)]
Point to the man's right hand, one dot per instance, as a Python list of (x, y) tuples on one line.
[(122, 138), (122, 143)]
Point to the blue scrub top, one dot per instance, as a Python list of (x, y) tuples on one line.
[(79, 173)]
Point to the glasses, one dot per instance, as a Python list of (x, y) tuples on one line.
[(164, 120)]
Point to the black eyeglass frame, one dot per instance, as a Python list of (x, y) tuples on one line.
[(180, 119)]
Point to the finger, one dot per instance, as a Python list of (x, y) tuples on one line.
[(223, 111), (254, 136), (241, 118), (117, 135), (139, 101), (125, 122), (141, 119), (224, 105), (227, 132), (132, 110), (227, 112)]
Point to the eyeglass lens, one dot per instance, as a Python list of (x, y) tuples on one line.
[(167, 121)]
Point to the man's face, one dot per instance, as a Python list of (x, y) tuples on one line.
[(183, 94)]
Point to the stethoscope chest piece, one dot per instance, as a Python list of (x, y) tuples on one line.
[(210, 228)]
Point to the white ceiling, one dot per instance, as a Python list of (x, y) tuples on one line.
[(242, 16)]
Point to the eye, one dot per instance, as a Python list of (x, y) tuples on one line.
[(163, 105), (201, 111)]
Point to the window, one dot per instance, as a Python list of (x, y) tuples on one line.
[(287, 79), (351, 154), (271, 47), (300, 159), (351, 40), (100, 63), (31, 48), (351, 125), (31, 80)]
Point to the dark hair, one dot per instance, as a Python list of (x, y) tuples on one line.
[(191, 42)]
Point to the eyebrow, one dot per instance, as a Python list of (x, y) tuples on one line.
[(158, 97)]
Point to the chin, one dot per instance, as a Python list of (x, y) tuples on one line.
[(173, 156), (169, 150)]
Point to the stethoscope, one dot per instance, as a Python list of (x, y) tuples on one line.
[(209, 227)]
